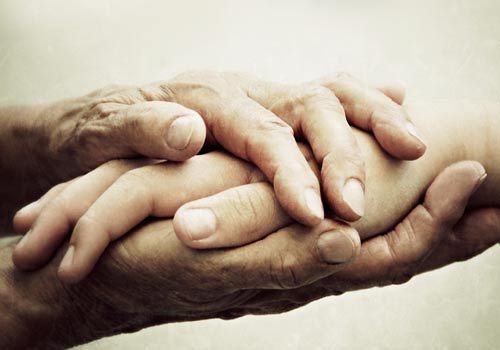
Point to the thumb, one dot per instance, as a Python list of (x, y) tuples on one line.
[(154, 129), (393, 257)]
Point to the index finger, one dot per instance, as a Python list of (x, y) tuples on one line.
[(112, 215), (370, 109)]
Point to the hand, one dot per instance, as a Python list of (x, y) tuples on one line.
[(435, 234), (147, 192), (102, 215), (285, 270), (256, 120), (45, 145), (253, 119)]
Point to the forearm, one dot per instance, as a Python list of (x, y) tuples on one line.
[(23, 143), (32, 159), (453, 132), (31, 310)]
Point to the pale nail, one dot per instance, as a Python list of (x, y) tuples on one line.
[(199, 223), (412, 130), (335, 247), (354, 195), (67, 260), (179, 133), (23, 240), (313, 201)]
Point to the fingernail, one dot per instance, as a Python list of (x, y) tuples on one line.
[(23, 240), (199, 223), (179, 132), (354, 195), (480, 181), (412, 130), (67, 260), (313, 201), (335, 247)]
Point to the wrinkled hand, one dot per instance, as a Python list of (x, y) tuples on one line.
[(257, 121), (435, 234), (253, 119)]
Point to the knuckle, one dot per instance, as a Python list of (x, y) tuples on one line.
[(57, 188), (386, 115), (331, 80), (60, 203), (399, 269), (316, 94), (119, 164), (135, 185), (254, 175), (133, 176), (274, 126), (102, 110), (342, 75), (304, 98), (136, 178), (87, 225), (350, 161), (246, 202), (286, 271)]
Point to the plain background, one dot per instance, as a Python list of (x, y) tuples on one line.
[(449, 49)]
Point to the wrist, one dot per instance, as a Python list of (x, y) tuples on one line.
[(36, 310), (22, 139)]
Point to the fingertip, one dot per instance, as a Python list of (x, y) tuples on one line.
[(19, 259), (401, 140), (314, 206), (301, 202), (419, 145), (353, 194), (339, 246), (24, 217), (343, 185), (185, 136), (68, 276), (180, 229), (480, 170), (21, 223), (22, 256)]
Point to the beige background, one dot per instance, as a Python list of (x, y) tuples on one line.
[(439, 49)]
